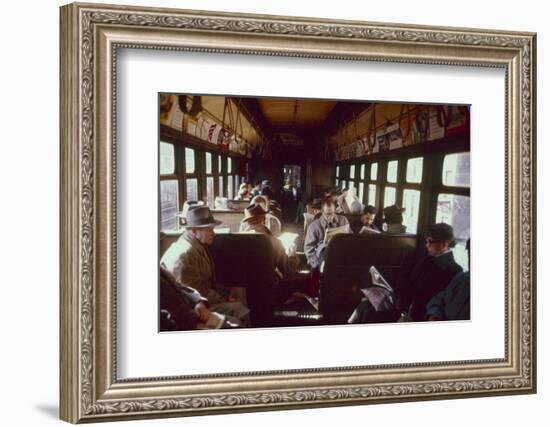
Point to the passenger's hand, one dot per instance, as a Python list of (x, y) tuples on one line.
[(202, 311)]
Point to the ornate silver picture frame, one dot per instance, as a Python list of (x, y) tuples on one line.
[(91, 36)]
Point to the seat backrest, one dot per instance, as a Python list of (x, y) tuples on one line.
[(238, 205), (247, 260), (229, 218), (242, 259), (347, 263)]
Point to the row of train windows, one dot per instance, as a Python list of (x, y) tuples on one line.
[(453, 209), (221, 180), (219, 171), (455, 172), (168, 161)]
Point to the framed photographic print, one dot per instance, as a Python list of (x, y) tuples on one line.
[(266, 212)]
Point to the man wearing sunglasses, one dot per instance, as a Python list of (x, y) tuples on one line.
[(433, 273)]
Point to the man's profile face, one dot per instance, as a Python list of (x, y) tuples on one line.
[(436, 247), (205, 235), (367, 218)]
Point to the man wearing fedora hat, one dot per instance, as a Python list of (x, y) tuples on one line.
[(269, 220), (189, 261), (254, 221)]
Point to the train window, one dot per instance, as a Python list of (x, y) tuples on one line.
[(191, 189), (371, 200), (351, 184), (189, 160), (208, 163), (167, 158), (389, 196), (411, 203), (392, 171), (210, 191), (236, 184), (230, 187), (344, 184), (455, 211), (352, 172), (169, 204), (414, 170), (338, 171), (362, 173), (361, 191), (456, 170), (219, 159), (374, 171), (229, 164), (336, 182), (220, 186)]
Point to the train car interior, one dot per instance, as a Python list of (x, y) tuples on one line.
[(323, 212)]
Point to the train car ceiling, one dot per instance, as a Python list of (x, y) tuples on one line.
[(323, 130)]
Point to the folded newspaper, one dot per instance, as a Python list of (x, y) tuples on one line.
[(380, 296), (378, 279), (331, 232)]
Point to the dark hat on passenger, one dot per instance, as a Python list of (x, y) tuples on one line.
[(442, 232), (200, 217), (254, 210), (393, 214)]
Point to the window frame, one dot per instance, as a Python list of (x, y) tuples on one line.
[(370, 181), (199, 160), (174, 176)]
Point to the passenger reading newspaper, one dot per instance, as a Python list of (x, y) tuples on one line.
[(377, 302), (331, 232)]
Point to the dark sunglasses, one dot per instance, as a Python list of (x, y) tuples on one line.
[(432, 241)]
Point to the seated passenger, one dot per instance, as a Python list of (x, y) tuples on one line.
[(255, 222), (254, 219), (271, 221), (190, 263), (183, 308), (393, 220), (453, 303), (244, 192), (255, 191), (273, 205), (367, 219), (314, 243), (313, 211), (433, 273)]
